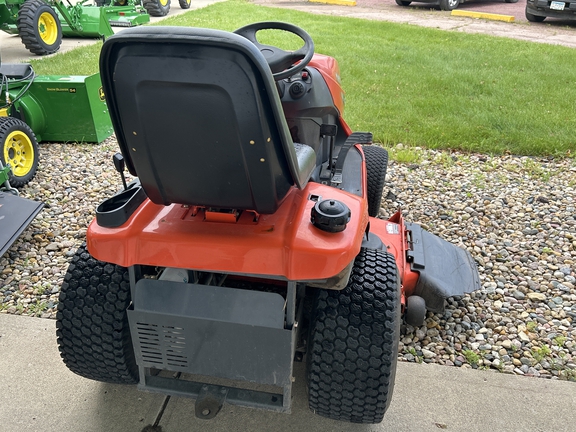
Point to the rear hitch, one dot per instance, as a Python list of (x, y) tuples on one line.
[(210, 401)]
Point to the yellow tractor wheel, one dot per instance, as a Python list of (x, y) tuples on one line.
[(39, 27), (19, 150), (157, 7)]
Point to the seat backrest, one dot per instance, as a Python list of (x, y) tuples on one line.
[(198, 118)]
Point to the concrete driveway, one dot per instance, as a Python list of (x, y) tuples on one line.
[(38, 393)]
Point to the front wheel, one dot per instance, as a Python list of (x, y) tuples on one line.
[(448, 5), (185, 4), (19, 149), (353, 348), (376, 165), (39, 28), (157, 8), (403, 3)]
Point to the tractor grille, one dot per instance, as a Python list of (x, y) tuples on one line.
[(162, 347)]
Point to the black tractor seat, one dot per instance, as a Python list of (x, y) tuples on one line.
[(199, 120)]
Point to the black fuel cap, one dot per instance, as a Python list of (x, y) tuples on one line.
[(330, 215)]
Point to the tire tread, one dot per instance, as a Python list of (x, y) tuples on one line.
[(92, 324), (27, 24), (353, 345), (376, 165), (154, 8)]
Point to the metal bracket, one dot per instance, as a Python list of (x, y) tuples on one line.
[(328, 131), (210, 401), (353, 139)]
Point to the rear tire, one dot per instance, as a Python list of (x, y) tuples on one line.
[(92, 324), (403, 3), (157, 8), (376, 165), (39, 28), (353, 348), (185, 4), (534, 18), (19, 149), (448, 5)]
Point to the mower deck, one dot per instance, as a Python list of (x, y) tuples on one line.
[(444, 269)]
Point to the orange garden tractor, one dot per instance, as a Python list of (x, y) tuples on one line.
[(250, 237)]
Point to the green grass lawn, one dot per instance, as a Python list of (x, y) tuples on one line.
[(420, 86)]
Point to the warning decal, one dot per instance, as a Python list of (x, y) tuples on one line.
[(393, 228)]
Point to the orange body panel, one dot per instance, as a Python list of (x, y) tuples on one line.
[(328, 67), (284, 244), (393, 234)]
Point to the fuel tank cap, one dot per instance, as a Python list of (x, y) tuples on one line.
[(330, 215)]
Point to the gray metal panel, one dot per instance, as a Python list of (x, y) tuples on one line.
[(210, 302), (235, 396), (212, 331)]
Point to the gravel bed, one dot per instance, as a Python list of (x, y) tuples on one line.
[(516, 215)]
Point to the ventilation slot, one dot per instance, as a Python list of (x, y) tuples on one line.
[(162, 346), (175, 345)]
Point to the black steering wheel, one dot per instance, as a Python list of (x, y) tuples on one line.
[(281, 62)]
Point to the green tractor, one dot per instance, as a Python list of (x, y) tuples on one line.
[(162, 7), (156, 8), (41, 25)]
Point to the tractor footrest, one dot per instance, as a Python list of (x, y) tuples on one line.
[(445, 269)]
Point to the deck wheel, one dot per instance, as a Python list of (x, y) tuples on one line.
[(415, 311)]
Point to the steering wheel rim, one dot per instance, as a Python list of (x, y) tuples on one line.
[(281, 62)]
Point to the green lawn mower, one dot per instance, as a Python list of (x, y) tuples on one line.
[(18, 162), (31, 111)]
